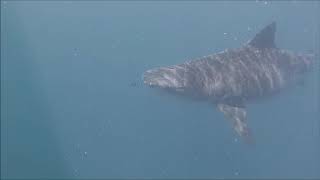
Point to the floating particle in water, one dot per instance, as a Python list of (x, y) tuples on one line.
[(164, 172), (266, 2), (108, 123), (115, 44), (4, 4), (75, 52), (249, 28), (84, 155), (140, 36), (236, 173), (196, 158), (225, 33), (228, 155), (75, 171)]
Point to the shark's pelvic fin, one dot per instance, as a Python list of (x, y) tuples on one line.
[(265, 38), (238, 117)]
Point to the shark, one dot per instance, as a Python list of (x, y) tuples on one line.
[(235, 77)]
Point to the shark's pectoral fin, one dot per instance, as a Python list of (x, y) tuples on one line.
[(238, 117)]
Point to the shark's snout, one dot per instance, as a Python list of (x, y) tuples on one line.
[(162, 78)]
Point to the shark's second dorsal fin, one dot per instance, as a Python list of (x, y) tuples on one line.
[(265, 38)]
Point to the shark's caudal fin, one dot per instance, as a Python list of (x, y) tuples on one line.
[(265, 38), (238, 117)]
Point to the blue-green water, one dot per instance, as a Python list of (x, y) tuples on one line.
[(69, 108)]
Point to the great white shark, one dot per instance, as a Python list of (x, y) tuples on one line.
[(232, 78)]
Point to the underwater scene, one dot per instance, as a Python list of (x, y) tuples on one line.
[(160, 89)]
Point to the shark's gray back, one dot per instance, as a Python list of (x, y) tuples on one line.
[(246, 72)]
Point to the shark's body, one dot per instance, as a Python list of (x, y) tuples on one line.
[(233, 77)]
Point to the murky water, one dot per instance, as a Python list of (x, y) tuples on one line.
[(73, 105)]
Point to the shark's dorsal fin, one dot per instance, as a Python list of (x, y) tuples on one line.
[(265, 38)]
